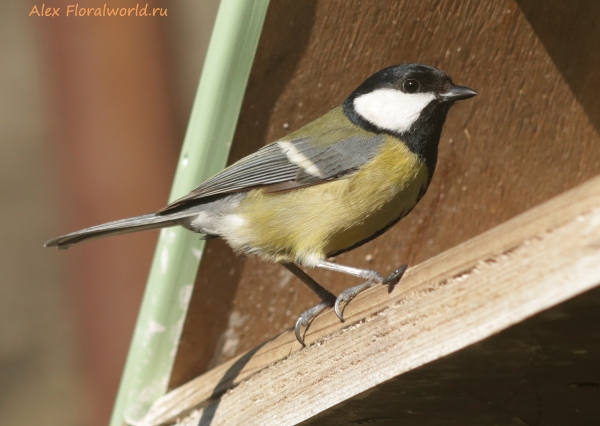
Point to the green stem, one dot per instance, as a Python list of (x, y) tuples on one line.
[(177, 257)]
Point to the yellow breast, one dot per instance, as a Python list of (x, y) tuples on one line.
[(308, 224)]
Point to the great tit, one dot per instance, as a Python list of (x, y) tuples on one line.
[(324, 189)]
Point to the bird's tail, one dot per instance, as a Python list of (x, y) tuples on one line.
[(123, 226)]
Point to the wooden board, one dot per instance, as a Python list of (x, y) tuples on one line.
[(526, 265), (524, 139), (543, 371)]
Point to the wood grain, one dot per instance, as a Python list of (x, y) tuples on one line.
[(542, 371), (523, 140), (528, 264)]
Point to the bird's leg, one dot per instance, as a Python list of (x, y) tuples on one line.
[(328, 299), (373, 278)]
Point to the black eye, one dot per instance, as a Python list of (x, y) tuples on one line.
[(411, 86)]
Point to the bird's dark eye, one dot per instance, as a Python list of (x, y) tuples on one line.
[(411, 86)]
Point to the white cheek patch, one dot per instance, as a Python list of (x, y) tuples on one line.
[(391, 109), (299, 159)]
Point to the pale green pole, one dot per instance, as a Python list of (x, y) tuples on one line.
[(205, 149)]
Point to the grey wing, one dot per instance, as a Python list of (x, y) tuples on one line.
[(288, 164), (320, 163)]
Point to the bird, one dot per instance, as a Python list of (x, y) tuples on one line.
[(324, 189)]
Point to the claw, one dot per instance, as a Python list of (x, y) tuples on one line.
[(395, 276), (336, 308), (350, 293), (307, 317), (299, 324), (328, 299)]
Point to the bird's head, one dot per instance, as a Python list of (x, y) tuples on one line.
[(402, 98)]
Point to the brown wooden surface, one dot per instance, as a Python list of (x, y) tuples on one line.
[(524, 139), (468, 293), (543, 371)]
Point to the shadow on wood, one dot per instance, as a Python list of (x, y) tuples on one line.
[(536, 260), (570, 32), (543, 371)]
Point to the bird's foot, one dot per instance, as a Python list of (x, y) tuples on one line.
[(350, 293), (308, 316)]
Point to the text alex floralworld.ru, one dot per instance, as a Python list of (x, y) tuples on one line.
[(75, 10)]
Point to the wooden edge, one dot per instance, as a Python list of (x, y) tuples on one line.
[(530, 263)]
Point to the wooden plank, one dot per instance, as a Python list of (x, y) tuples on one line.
[(530, 263), (542, 371)]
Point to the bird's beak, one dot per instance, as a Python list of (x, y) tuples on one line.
[(458, 93)]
